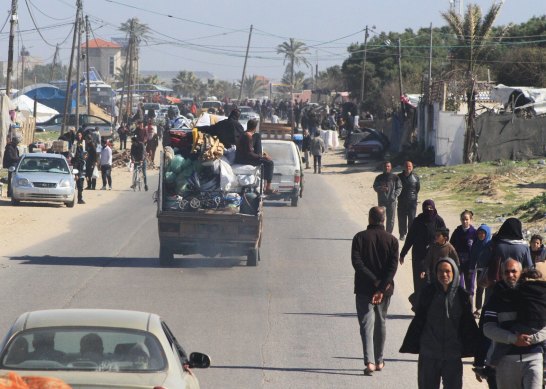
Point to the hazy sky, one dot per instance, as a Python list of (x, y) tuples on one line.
[(211, 35)]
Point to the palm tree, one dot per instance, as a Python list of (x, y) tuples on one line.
[(152, 79), (186, 83), (252, 86), (141, 33), (472, 32), (294, 52)]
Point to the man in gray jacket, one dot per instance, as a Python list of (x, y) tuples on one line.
[(388, 188)]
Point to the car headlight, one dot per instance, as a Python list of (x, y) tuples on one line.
[(22, 182), (65, 183)]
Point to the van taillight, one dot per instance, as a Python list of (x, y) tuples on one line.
[(297, 178)]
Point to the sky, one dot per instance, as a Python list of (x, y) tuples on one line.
[(211, 35)]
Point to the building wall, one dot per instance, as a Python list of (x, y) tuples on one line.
[(100, 60)]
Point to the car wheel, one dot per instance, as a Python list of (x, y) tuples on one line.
[(294, 201), (252, 257), (70, 204), (14, 201), (349, 162), (166, 256)]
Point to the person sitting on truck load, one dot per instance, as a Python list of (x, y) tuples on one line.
[(228, 131), (246, 155)]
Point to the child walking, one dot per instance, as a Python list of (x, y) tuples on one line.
[(483, 234), (462, 239), (317, 148)]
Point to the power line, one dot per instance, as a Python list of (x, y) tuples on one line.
[(46, 15), (37, 29)]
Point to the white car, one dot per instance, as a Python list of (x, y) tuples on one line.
[(249, 112), (288, 171), (43, 177), (99, 348)]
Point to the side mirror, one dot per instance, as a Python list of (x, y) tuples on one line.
[(11, 169), (199, 360), (75, 171)]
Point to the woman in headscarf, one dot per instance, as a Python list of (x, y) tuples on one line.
[(443, 330), (420, 237)]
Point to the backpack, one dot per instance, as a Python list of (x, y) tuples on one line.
[(492, 273)]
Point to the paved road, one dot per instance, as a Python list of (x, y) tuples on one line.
[(289, 323)]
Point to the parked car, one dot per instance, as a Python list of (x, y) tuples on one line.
[(43, 177), (99, 348), (366, 143), (288, 172), (86, 121), (249, 112)]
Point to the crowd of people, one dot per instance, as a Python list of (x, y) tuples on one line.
[(475, 294)]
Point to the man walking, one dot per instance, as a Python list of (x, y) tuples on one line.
[(374, 256), (106, 165), (388, 188), (407, 201), (11, 158), (521, 366)]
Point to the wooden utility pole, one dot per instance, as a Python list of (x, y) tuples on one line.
[(400, 77), (54, 63), (363, 82), (87, 78), (130, 75), (123, 91), (13, 22), (78, 74), (244, 66), (69, 78)]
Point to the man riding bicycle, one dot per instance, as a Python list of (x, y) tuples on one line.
[(138, 157)]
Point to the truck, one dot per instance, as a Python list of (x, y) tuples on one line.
[(186, 226)]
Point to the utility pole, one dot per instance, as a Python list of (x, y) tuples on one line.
[(363, 82), (244, 66), (54, 63), (87, 78), (131, 65), (69, 78), (430, 65), (13, 22), (78, 74), (400, 75), (125, 66)]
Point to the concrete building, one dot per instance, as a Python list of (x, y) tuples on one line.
[(105, 57)]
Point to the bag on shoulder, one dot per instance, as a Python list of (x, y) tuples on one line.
[(491, 274)]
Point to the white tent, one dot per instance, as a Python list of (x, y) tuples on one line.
[(25, 103)]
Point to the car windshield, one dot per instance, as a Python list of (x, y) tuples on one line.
[(44, 165), (89, 348), (281, 153), (211, 104)]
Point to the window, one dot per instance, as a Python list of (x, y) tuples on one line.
[(111, 66)]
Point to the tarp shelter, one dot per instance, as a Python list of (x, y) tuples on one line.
[(4, 122), (523, 97), (43, 112), (47, 94)]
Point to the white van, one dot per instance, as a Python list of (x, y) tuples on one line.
[(288, 172)]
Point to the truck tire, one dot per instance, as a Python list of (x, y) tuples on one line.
[(294, 201), (166, 256), (252, 257), (349, 162)]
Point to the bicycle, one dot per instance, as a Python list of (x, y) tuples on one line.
[(137, 177)]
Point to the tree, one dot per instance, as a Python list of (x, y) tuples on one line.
[(294, 52), (152, 79), (472, 32), (141, 33), (253, 86), (186, 83)]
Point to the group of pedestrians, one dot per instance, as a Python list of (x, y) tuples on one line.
[(451, 275)]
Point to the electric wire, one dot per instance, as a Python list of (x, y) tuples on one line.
[(46, 15), (36, 26)]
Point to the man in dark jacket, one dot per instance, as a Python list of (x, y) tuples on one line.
[(228, 131), (388, 188), (443, 330), (407, 201), (11, 158), (374, 255)]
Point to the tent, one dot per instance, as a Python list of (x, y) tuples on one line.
[(43, 112)]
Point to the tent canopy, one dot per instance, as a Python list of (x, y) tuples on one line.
[(25, 103)]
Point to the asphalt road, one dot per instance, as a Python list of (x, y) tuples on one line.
[(288, 323)]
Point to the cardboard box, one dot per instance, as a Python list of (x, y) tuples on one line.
[(60, 146)]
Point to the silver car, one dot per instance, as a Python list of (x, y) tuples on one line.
[(43, 177), (99, 348)]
